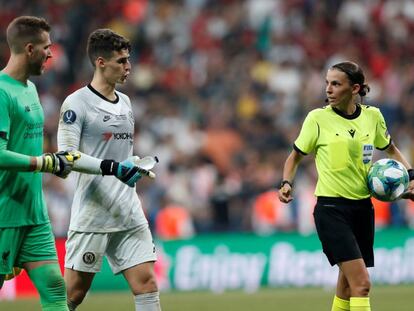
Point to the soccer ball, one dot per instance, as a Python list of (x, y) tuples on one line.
[(387, 180)]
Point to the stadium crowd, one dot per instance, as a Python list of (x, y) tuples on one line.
[(219, 89)]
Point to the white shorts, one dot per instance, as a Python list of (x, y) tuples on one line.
[(123, 249)]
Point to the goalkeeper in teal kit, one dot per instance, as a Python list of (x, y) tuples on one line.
[(26, 238)]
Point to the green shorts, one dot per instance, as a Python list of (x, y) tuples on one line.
[(26, 244)]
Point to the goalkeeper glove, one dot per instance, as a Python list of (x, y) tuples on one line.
[(59, 163), (126, 171), (16, 271)]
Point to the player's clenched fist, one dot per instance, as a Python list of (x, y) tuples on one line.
[(285, 191), (59, 163)]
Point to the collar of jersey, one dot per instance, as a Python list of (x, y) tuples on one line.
[(103, 97), (13, 80), (355, 115)]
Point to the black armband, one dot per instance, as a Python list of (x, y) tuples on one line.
[(109, 167), (284, 182), (410, 174)]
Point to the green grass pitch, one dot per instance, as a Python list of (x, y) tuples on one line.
[(383, 298)]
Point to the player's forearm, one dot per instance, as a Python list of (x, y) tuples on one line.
[(394, 153), (291, 166), (126, 171), (69, 139), (88, 165), (14, 161)]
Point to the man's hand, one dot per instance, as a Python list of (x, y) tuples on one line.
[(59, 163), (126, 171)]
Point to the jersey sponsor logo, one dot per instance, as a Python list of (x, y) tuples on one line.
[(367, 153), (33, 130), (27, 108), (33, 135), (69, 116), (89, 258), (117, 136), (107, 136), (121, 117), (351, 132)]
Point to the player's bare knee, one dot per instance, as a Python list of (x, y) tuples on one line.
[(146, 285), (76, 295), (365, 287), (151, 285), (361, 288)]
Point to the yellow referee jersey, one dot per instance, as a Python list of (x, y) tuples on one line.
[(343, 146)]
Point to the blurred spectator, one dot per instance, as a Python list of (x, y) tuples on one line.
[(220, 88), (173, 222)]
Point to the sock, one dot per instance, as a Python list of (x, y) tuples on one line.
[(54, 306), (49, 283), (359, 304), (148, 302), (71, 305), (340, 304)]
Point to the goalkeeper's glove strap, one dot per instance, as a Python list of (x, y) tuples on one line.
[(44, 163), (109, 167)]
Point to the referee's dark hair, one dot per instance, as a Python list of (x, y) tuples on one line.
[(102, 42), (355, 75)]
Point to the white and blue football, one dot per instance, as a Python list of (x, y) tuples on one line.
[(387, 180)]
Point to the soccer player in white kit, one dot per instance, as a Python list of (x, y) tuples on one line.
[(107, 217)]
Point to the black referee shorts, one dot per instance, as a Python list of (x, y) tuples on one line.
[(346, 229)]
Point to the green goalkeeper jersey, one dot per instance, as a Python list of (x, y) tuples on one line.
[(21, 131)]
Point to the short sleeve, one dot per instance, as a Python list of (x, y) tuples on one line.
[(72, 116), (308, 135), (382, 137)]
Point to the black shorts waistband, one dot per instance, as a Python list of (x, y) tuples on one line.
[(336, 200)]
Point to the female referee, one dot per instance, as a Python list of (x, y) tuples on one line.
[(343, 135)]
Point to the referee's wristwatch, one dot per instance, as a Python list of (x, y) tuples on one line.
[(284, 182), (410, 174)]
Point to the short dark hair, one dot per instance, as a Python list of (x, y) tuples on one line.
[(354, 74), (103, 42), (25, 29)]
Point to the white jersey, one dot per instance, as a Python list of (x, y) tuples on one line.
[(103, 129)]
